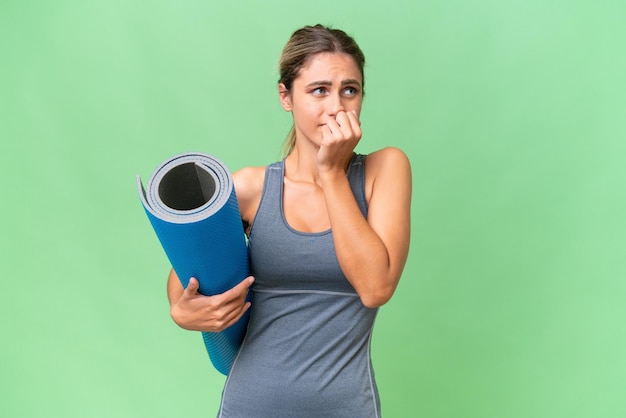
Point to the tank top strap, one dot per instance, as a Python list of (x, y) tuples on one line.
[(356, 178), (271, 198), (272, 187)]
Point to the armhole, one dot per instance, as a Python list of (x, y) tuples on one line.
[(358, 182), (265, 182)]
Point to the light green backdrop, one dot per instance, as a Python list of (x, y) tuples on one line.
[(512, 304)]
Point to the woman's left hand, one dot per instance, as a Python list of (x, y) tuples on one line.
[(340, 136)]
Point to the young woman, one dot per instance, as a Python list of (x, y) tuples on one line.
[(328, 239)]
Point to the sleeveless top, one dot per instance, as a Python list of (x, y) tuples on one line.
[(307, 349)]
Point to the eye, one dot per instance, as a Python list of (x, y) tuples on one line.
[(319, 91), (351, 91)]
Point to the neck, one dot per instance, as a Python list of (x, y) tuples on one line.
[(301, 165)]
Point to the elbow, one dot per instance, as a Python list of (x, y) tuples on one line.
[(373, 303), (174, 314), (178, 317), (378, 298)]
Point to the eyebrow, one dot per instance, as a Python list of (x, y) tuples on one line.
[(329, 83)]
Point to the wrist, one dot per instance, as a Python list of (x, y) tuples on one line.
[(333, 171), (331, 175)]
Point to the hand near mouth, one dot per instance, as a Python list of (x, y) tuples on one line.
[(340, 135)]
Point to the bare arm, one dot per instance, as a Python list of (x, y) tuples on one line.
[(193, 311), (372, 252), (196, 312)]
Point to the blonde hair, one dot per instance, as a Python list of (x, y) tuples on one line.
[(305, 43)]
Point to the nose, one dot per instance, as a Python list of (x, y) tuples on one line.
[(335, 105)]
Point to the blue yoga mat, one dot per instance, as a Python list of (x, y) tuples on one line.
[(190, 202)]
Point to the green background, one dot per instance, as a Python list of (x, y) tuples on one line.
[(512, 303)]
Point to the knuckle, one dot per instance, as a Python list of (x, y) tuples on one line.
[(210, 304)]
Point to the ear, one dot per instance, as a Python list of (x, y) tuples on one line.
[(285, 97)]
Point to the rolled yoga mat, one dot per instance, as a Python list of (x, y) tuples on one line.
[(190, 202)]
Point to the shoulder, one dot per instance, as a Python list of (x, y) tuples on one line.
[(386, 165), (248, 178), (387, 157), (388, 185), (387, 170), (248, 183)]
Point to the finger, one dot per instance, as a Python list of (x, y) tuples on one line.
[(355, 124), (240, 290), (354, 118), (230, 313), (192, 288), (342, 119), (237, 314), (327, 134), (349, 124), (246, 283), (334, 130)]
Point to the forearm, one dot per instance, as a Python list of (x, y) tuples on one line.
[(196, 312), (174, 288), (361, 253)]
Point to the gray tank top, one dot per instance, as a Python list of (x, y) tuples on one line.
[(307, 349)]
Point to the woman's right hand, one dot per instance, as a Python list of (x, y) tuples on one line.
[(197, 312)]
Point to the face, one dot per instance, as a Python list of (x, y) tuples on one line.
[(330, 83)]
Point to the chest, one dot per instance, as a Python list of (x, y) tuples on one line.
[(304, 206), (281, 258)]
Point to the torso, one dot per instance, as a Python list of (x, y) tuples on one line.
[(305, 206), (310, 216), (307, 348)]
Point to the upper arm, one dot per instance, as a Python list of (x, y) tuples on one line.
[(389, 185), (174, 287), (249, 188)]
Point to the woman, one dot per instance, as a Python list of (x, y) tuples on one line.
[(328, 238)]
